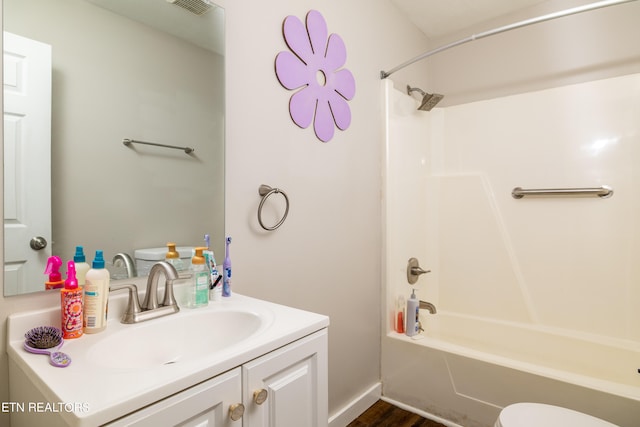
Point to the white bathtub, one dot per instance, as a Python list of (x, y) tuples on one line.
[(490, 364)]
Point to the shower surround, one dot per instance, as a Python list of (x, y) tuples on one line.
[(537, 297)]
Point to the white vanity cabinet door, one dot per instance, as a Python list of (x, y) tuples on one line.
[(295, 378), (204, 405)]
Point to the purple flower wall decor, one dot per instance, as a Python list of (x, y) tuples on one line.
[(314, 67)]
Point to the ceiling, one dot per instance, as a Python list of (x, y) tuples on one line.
[(437, 18), (206, 30)]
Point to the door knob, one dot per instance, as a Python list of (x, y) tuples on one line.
[(38, 243), (414, 271)]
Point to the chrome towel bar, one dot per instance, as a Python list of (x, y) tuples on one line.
[(128, 142), (603, 192)]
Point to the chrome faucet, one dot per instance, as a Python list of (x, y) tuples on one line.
[(428, 306), (121, 259), (151, 297), (150, 308)]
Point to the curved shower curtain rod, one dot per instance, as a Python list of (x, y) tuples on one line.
[(567, 12)]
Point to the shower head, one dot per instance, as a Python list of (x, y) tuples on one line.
[(429, 100)]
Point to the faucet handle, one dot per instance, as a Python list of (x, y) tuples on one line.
[(169, 299), (414, 270), (133, 306)]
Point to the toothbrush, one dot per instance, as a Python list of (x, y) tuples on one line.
[(226, 266)]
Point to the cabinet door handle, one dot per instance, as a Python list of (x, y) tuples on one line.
[(236, 411), (260, 396)]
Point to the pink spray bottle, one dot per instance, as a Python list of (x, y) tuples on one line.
[(71, 305), (53, 270)]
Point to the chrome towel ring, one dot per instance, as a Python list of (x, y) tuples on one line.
[(265, 191)]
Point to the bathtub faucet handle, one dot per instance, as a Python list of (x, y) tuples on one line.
[(414, 270), (418, 271)]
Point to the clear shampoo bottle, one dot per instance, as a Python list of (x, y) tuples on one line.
[(199, 291)]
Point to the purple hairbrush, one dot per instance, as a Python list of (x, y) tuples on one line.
[(39, 340)]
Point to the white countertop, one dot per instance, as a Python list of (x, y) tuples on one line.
[(110, 393)]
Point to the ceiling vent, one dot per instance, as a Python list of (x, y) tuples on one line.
[(197, 7)]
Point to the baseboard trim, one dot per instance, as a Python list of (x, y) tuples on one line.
[(357, 406), (421, 413)]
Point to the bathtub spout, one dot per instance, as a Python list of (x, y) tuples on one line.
[(428, 306)]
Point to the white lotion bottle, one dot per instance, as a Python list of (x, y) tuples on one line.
[(413, 311), (96, 296), (81, 265)]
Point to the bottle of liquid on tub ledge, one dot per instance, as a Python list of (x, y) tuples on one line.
[(96, 296), (413, 310), (400, 307)]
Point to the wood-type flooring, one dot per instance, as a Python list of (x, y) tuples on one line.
[(384, 414)]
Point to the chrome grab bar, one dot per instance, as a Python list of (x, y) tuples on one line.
[(603, 192)]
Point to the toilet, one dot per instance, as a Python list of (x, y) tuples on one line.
[(539, 414)]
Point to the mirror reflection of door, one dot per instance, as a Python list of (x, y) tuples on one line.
[(27, 149)]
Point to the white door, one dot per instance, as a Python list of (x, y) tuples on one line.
[(27, 162)]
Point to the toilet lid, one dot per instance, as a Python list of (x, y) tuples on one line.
[(539, 414)]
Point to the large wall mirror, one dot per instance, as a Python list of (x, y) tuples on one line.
[(146, 70)]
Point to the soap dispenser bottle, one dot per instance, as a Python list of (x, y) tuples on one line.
[(413, 311), (71, 305), (199, 292), (96, 296), (173, 257)]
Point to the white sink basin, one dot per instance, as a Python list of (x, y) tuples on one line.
[(174, 339)]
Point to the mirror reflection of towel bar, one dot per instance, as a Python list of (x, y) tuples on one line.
[(128, 142), (603, 192)]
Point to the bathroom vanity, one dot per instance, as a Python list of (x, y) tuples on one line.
[(239, 362)]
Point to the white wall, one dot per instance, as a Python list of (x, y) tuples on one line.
[(326, 257), (565, 263)]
